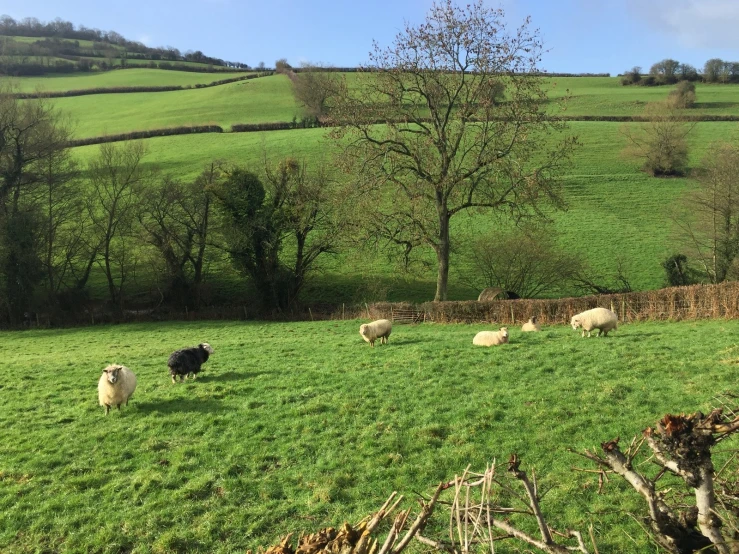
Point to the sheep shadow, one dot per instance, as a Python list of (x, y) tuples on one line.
[(176, 405), (406, 341), (228, 376)]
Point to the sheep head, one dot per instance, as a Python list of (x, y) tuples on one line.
[(575, 322), (112, 373), (504, 332), (207, 347), (363, 329)]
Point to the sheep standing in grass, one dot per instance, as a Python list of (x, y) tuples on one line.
[(598, 318), (379, 329), (531, 325), (115, 387), (491, 338), (187, 361)]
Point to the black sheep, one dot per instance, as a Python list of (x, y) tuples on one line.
[(188, 361)]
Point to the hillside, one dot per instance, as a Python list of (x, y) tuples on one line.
[(615, 212), (32, 47)]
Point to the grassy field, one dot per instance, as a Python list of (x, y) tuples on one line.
[(293, 426), (270, 99), (260, 100), (82, 43), (606, 96), (118, 78)]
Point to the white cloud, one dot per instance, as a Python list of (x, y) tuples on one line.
[(695, 23)]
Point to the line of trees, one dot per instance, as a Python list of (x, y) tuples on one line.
[(669, 72), (116, 218)]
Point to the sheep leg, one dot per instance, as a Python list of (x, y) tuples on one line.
[(118, 406), (174, 379), (107, 409)]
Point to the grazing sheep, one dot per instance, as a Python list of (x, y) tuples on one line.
[(531, 325), (491, 338), (115, 387), (379, 329), (187, 361), (598, 318)]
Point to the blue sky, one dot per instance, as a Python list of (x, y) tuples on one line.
[(598, 36)]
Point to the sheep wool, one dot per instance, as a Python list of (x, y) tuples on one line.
[(115, 387), (188, 361), (531, 325), (491, 338), (598, 318), (379, 329)]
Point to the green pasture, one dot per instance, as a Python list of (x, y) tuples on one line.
[(137, 77), (296, 426), (262, 100), (270, 99), (82, 43), (606, 96)]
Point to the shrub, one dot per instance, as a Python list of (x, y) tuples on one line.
[(677, 271), (683, 95)]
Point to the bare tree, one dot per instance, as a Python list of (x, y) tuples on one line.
[(526, 261), (114, 175), (176, 221), (290, 210), (708, 220), (446, 143), (661, 142), (63, 223), (315, 89), (305, 200), (32, 135)]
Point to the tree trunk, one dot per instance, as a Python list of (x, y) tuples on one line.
[(442, 256)]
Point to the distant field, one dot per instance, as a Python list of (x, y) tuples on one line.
[(606, 96), (82, 43), (270, 99), (296, 426), (260, 100), (117, 78)]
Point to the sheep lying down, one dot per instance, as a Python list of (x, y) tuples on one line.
[(531, 326), (115, 387), (598, 318), (491, 338)]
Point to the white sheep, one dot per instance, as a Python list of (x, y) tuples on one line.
[(115, 387), (491, 338), (531, 325), (598, 318), (379, 329)]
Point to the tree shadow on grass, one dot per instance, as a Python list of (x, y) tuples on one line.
[(176, 405), (404, 341), (715, 105)]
